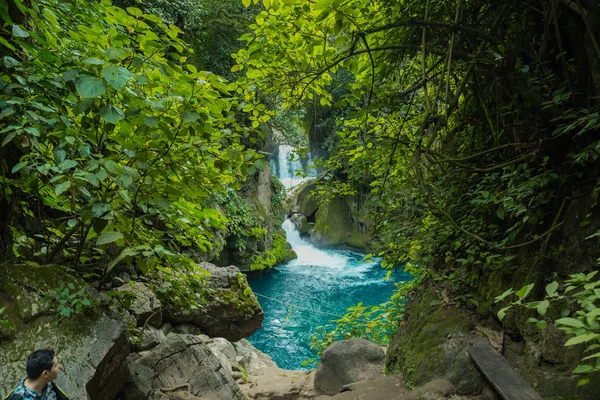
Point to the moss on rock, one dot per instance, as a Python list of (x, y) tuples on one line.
[(24, 287), (431, 344), (338, 224), (277, 255)]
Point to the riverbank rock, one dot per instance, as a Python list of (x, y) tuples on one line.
[(348, 361), (224, 351), (301, 201), (252, 359), (182, 367), (338, 224), (92, 347), (301, 223), (145, 306), (232, 311), (277, 383), (432, 344)]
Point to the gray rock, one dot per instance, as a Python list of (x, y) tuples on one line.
[(348, 361), (145, 305), (301, 223), (302, 201), (139, 383), (187, 329), (232, 311), (251, 358), (224, 351), (432, 344), (151, 338), (434, 390), (166, 328), (186, 361), (125, 277)]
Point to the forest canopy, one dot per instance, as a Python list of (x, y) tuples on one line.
[(467, 126)]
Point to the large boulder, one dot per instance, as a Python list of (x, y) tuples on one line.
[(348, 361), (145, 306), (223, 349), (184, 364), (301, 200), (432, 344), (91, 347), (339, 224), (231, 311)]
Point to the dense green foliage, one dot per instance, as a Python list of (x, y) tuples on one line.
[(120, 144), (469, 126), (210, 27)]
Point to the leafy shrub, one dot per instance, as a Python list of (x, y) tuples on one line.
[(66, 300), (376, 323), (584, 324)]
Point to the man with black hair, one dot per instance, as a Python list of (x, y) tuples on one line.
[(42, 369)]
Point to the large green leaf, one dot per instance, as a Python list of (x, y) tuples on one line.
[(117, 77), (62, 187), (260, 164), (90, 86), (575, 323), (116, 53), (111, 114), (18, 167), (109, 237), (582, 339), (189, 116), (18, 31), (551, 288), (524, 291)]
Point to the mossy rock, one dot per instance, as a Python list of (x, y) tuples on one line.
[(432, 344), (338, 225), (91, 346), (279, 254), (301, 201), (23, 288), (545, 362), (231, 309)]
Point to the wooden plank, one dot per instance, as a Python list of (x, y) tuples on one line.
[(505, 379)]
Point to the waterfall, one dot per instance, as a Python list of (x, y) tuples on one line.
[(284, 167)]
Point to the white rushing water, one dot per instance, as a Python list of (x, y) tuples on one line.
[(285, 166), (308, 254)]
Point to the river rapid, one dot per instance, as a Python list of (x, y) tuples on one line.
[(303, 294)]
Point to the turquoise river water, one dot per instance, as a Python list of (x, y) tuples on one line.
[(325, 280)]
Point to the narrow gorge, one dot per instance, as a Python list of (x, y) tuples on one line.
[(297, 200)]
